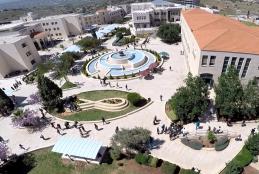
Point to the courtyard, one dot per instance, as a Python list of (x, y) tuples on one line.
[(163, 84)]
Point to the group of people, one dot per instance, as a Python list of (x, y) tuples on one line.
[(174, 130)]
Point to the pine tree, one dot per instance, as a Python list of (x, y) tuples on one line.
[(50, 93)]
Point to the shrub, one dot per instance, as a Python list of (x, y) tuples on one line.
[(211, 136), (134, 98), (169, 33), (194, 144), (111, 77), (153, 162), (142, 158), (252, 144), (221, 143), (125, 77), (169, 168), (115, 154), (187, 171), (233, 168)]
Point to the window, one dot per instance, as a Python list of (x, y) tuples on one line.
[(33, 62), (57, 28), (225, 64), (56, 22), (51, 35), (212, 60), (49, 29), (59, 34), (233, 61), (54, 28), (52, 23), (28, 53), (24, 45), (43, 24), (248, 60), (239, 65), (47, 23), (56, 34), (46, 29), (204, 60)]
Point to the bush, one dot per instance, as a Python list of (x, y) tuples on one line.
[(194, 144), (169, 168), (142, 158), (153, 162), (252, 144), (169, 33), (134, 98), (211, 137), (221, 143), (187, 171), (115, 154), (233, 168)]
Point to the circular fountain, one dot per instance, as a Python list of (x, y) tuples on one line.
[(120, 63)]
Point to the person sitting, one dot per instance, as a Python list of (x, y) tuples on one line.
[(238, 138), (243, 123), (67, 126)]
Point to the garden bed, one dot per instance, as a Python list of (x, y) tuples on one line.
[(170, 113), (96, 114)]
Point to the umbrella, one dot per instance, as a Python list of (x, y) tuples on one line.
[(164, 54), (152, 66), (144, 73)]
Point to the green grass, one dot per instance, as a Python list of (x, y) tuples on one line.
[(250, 24), (96, 114), (102, 94), (68, 85), (243, 158), (170, 113)]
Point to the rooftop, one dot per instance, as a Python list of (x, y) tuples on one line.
[(11, 39), (219, 33), (78, 147)]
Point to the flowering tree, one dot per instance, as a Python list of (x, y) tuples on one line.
[(34, 98), (29, 119), (3, 151)]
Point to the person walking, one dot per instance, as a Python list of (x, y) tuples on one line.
[(170, 68), (126, 86), (96, 126), (103, 120), (116, 129), (161, 97)]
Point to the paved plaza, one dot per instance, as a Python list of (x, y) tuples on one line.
[(165, 84)]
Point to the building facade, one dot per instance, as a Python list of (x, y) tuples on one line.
[(62, 27), (190, 3), (17, 53), (104, 16), (212, 43), (152, 14)]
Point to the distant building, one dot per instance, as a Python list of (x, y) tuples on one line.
[(109, 15), (190, 3), (61, 27), (147, 15), (17, 53), (211, 43), (29, 17)]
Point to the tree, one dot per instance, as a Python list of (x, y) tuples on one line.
[(6, 104), (3, 151), (190, 101), (252, 144), (50, 93), (229, 93), (130, 141), (251, 99), (94, 34), (169, 33), (233, 168), (119, 35), (88, 43)]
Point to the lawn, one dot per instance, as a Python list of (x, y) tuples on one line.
[(51, 163), (68, 85), (96, 114)]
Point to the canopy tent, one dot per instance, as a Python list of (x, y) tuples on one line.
[(78, 147), (73, 48), (164, 54)]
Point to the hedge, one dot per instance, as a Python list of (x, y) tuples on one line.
[(187, 171), (147, 160), (142, 158), (134, 98), (243, 158), (169, 168), (194, 144)]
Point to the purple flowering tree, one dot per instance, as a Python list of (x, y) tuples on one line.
[(29, 119), (34, 98), (3, 151)]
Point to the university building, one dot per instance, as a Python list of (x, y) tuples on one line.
[(212, 43)]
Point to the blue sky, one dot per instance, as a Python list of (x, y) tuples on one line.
[(3, 1)]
